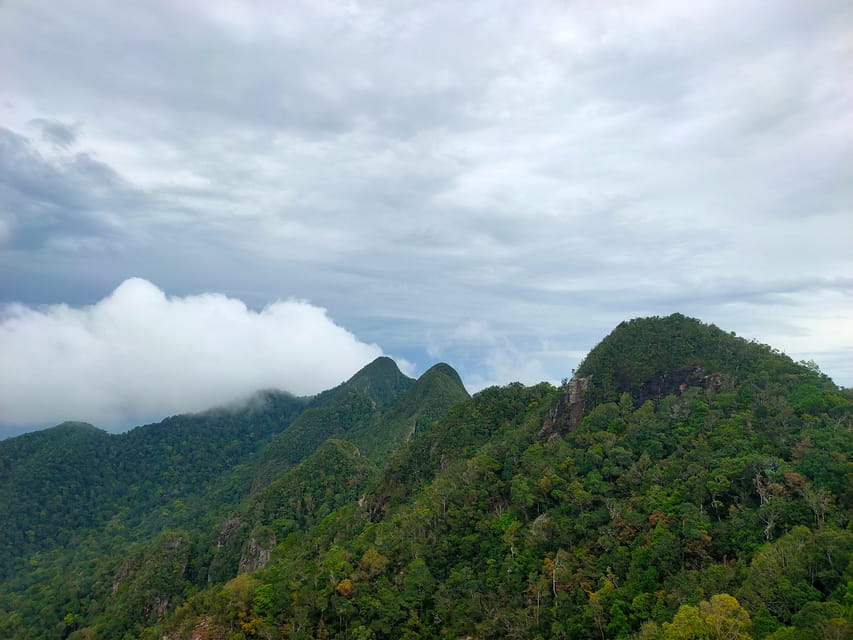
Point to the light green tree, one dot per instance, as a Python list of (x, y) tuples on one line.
[(721, 618)]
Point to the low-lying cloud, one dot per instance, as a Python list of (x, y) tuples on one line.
[(139, 355)]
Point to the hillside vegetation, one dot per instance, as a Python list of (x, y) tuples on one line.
[(685, 483)]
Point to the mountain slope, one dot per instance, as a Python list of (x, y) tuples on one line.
[(58, 482), (686, 483), (77, 493), (652, 357), (337, 471), (332, 413), (427, 399), (45, 488), (679, 510)]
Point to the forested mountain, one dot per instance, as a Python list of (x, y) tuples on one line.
[(684, 483), (59, 483), (83, 508)]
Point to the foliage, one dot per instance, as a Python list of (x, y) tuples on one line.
[(704, 494)]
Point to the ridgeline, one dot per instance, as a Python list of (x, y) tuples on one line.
[(685, 483)]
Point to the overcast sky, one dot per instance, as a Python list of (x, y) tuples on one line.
[(202, 198)]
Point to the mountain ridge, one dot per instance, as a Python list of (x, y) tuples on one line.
[(661, 492)]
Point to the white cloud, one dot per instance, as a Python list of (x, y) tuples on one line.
[(474, 331), (506, 362), (444, 178), (138, 355)]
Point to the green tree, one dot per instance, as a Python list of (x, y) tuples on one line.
[(720, 618)]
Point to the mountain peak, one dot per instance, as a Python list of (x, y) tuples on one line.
[(73, 425), (654, 356), (381, 380), (445, 370), (423, 402), (68, 429), (440, 380)]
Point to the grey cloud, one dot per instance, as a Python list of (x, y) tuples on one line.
[(46, 199), (55, 132), (545, 171), (284, 77)]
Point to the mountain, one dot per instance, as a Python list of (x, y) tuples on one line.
[(652, 357), (49, 482), (374, 413), (334, 412), (685, 483), (75, 492), (423, 402), (59, 483)]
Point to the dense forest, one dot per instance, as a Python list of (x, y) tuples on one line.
[(684, 483)]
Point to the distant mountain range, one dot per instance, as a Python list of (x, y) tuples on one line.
[(684, 483)]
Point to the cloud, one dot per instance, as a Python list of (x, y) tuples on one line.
[(454, 181), (485, 355), (506, 362), (57, 133), (59, 197), (139, 355)]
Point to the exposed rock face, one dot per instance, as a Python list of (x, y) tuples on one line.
[(158, 608), (570, 408), (379, 506), (577, 390), (675, 382), (232, 525), (668, 382), (257, 552)]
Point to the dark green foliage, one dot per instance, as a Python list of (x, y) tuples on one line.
[(338, 471), (653, 357), (48, 482), (334, 412), (705, 493), (431, 395), (95, 494), (57, 483), (332, 476)]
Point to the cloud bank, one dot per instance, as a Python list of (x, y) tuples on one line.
[(496, 185), (139, 355)]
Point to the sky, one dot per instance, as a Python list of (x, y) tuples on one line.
[(203, 198)]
